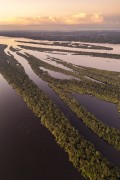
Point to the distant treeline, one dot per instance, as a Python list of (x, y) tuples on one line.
[(102, 36)]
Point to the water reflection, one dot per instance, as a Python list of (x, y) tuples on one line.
[(83, 60), (27, 149), (100, 144), (56, 75), (108, 151), (104, 111)]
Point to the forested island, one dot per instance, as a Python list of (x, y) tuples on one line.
[(89, 162)]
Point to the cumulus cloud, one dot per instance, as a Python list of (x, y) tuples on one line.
[(79, 18), (97, 18)]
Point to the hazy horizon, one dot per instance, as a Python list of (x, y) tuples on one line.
[(59, 15)]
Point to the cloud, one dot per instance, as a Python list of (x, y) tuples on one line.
[(97, 18), (112, 19), (79, 18), (75, 21)]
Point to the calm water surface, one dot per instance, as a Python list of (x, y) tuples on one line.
[(56, 75), (104, 111), (27, 149), (83, 60), (107, 150)]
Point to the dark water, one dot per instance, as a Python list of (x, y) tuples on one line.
[(107, 150), (103, 110), (27, 150)]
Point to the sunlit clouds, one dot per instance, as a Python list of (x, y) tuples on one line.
[(79, 18), (87, 14)]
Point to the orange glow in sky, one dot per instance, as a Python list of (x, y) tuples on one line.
[(54, 12)]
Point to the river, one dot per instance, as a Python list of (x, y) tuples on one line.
[(27, 149)]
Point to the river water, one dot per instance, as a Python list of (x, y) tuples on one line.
[(107, 150), (27, 149), (83, 60), (32, 139), (104, 111)]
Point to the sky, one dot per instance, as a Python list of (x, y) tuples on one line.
[(59, 15)]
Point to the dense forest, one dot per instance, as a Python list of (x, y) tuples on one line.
[(69, 44), (89, 162), (64, 87), (94, 54), (102, 36)]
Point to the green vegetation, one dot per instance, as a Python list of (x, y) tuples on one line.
[(81, 153), (94, 54), (62, 88), (103, 36), (81, 45), (108, 89), (107, 77), (109, 134), (68, 44), (37, 63)]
